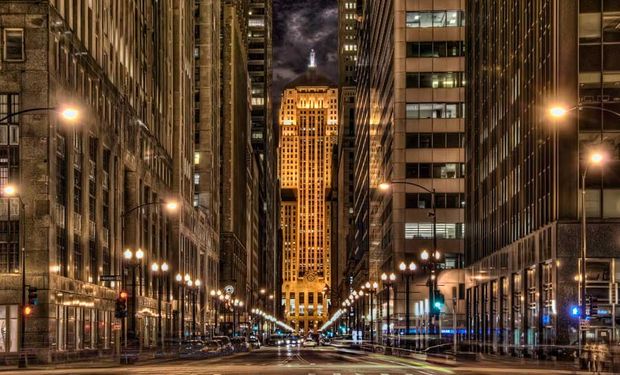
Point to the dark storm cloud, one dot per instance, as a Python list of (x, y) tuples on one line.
[(299, 26)]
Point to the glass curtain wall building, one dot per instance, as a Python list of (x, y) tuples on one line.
[(524, 170)]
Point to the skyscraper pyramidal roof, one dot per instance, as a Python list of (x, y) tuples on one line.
[(312, 76)]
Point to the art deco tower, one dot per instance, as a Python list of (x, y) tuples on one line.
[(309, 127)]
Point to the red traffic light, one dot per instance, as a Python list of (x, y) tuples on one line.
[(123, 295), (27, 310)]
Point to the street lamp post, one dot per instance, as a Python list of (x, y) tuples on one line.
[(159, 271), (133, 260), (387, 284), (596, 159), (217, 297), (432, 265), (407, 272), (371, 290), (69, 114), (181, 281), (171, 206)]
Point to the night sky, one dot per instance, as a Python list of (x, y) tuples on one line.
[(299, 26)]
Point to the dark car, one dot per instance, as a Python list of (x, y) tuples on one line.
[(190, 348), (276, 340), (224, 341), (240, 344)]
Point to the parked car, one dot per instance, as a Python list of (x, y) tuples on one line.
[(240, 344), (224, 341), (254, 342), (190, 348), (211, 348)]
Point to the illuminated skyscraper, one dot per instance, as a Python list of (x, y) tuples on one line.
[(308, 131)]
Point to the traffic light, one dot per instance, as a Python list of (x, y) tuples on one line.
[(437, 303), (27, 310), (33, 297), (121, 305)]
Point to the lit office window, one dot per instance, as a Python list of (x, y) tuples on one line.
[(448, 231), (442, 18)]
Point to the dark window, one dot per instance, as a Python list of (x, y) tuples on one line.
[(412, 171), (426, 50), (14, 44), (454, 140), (439, 140), (425, 170), (77, 257), (412, 140)]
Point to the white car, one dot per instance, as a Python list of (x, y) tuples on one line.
[(310, 343)]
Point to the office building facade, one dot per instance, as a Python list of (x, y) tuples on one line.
[(409, 131), (343, 164), (264, 143), (236, 164), (525, 167), (308, 132)]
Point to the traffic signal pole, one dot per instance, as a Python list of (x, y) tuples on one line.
[(22, 362)]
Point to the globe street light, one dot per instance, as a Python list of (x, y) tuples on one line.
[(159, 272), (388, 280), (132, 261), (407, 272)]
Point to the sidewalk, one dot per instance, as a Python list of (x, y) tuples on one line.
[(147, 358), (499, 362)]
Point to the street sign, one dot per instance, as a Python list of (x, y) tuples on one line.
[(116, 326), (584, 323), (109, 277)]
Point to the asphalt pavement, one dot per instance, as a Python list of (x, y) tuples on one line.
[(297, 361)]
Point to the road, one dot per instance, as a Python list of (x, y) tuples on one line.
[(297, 361)]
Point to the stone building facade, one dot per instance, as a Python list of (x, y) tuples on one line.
[(80, 182)]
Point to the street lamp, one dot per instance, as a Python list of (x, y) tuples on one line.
[(388, 281), (181, 281), (159, 271), (139, 254), (132, 263), (195, 291), (596, 158), (371, 290), (407, 272), (66, 112), (432, 265)]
